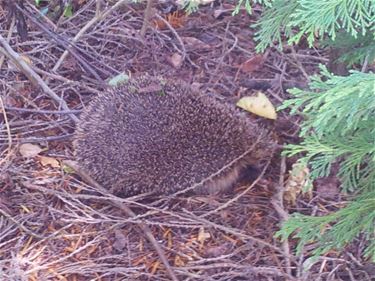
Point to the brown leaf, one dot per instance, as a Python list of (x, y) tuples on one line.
[(44, 160), (175, 60), (252, 64), (219, 12), (10, 101), (155, 267), (178, 261), (215, 251), (298, 180), (176, 19), (194, 43), (120, 241), (203, 236), (29, 150)]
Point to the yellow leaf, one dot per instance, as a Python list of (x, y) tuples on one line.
[(203, 236), (259, 105), (29, 150), (67, 169), (44, 160)]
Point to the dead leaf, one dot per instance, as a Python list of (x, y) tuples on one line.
[(203, 236), (12, 66), (252, 64), (224, 214), (168, 234), (120, 241), (218, 250), (29, 150), (196, 86), (175, 60), (259, 105), (219, 12), (66, 168), (194, 43), (176, 19), (45, 160), (178, 261), (155, 267), (10, 101), (298, 180)]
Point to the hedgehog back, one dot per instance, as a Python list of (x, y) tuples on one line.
[(155, 135)]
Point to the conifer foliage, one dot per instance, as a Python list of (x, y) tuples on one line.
[(315, 19), (339, 127), (339, 114)]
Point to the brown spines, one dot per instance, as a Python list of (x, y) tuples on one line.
[(156, 135)]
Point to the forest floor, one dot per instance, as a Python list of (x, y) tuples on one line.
[(54, 226)]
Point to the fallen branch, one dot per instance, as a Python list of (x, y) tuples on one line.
[(130, 213), (98, 17), (32, 75)]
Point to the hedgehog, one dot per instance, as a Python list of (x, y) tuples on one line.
[(160, 136)]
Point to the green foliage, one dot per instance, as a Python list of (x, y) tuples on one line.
[(67, 9), (339, 127), (356, 50), (192, 5), (315, 19), (339, 114), (247, 4), (337, 229), (273, 23), (321, 17), (327, 103)]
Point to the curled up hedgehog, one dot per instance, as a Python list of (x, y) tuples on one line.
[(160, 136)]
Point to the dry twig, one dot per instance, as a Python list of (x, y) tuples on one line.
[(32, 75), (146, 230)]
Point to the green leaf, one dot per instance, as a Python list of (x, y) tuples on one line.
[(338, 129), (68, 11), (118, 79), (314, 19), (44, 11)]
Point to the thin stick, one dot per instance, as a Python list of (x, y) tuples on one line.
[(32, 75), (98, 17), (146, 18), (62, 42), (8, 132), (277, 203), (130, 213), (13, 22), (41, 111), (170, 27)]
